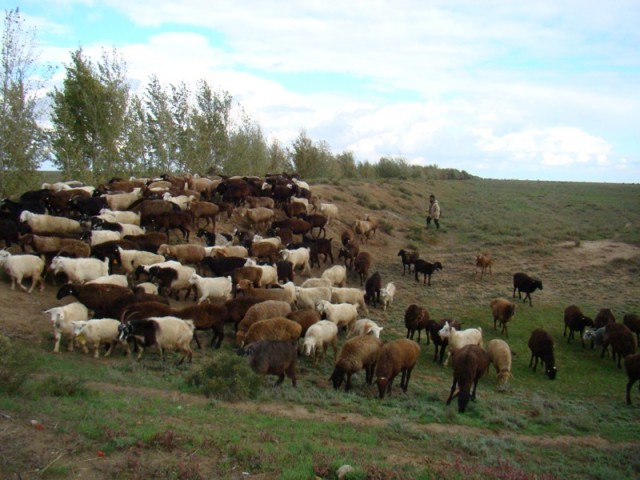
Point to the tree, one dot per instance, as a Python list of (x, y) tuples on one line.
[(23, 144), (160, 132)]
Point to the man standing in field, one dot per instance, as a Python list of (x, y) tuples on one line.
[(434, 212)]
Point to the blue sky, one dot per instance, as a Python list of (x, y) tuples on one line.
[(546, 90)]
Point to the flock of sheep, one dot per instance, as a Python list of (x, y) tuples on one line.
[(246, 277)]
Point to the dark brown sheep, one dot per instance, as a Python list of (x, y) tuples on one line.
[(427, 269), (440, 344), (408, 259), (575, 321), (632, 321), (272, 357), (415, 319), (632, 367), (397, 356), (305, 318), (621, 339), (361, 264), (541, 346), (206, 316), (357, 353), (524, 283), (260, 311), (372, 288), (603, 318), (469, 364), (276, 328), (503, 311), (349, 252), (149, 242), (237, 308)]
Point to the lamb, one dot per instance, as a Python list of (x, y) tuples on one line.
[(343, 315), (111, 280), (632, 367), (23, 266), (218, 288), (397, 356), (298, 257), (277, 328), (269, 357), (260, 311), (541, 346), (524, 283), (363, 229), (362, 264), (354, 296), (95, 332), (415, 319), (575, 321), (458, 339), (408, 259), (309, 297), (318, 337), (365, 326), (484, 263), (440, 344), (595, 335), (206, 317), (49, 224), (500, 356), (80, 270), (163, 332), (287, 293), (356, 354), (621, 339), (337, 275), (632, 321), (427, 269), (503, 311), (469, 364), (372, 289), (61, 318), (186, 254), (387, 295)]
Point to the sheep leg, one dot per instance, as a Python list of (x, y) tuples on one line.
[(58, 337), (291, 373), (347, 385), (475, 385), (407, 378), (195, 337), (453, 389)]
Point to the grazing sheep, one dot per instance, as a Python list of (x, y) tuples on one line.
[(440, 344), (277, 328), (217, 288), (483, 262), (541, 346), (503, 311), (80, 270), (621, 339), (169, 333), (415, 319), (632, 367), (427, 269), (337, 275), (397, 356), (603, 318), (61, 318), (318, 338), (354, 296), (342, 314), (387, 295), (365, 326), (372, 288), (299, 258), (408, 259), (500, 356), (362, 264), (526, 284), (306, 318), (96, 332), (273, 357), (459, 338), (632, 321), (469, 364), (23, 266), (260, 311), (309, 297), (595, 336), (356, 354), (575, 321)]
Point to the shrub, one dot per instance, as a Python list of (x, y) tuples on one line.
[(227, 377), (60, 386), (15, 366), (385, 226)]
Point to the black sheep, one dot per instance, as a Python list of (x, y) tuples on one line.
[(426, 268), (273, 357), (526, 284), (632, 367), (541, 346), (621, 339), (469, 364), (372, 289), (575, 321)]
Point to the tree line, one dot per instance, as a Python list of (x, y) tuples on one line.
[(94, 127)]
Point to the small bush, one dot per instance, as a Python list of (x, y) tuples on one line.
[(60, 386), (414, 234), (227, 377), (15, 366), (385, 226)]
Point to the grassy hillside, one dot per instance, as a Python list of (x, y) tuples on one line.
[(117, 418)]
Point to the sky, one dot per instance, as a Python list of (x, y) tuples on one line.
[(543, 90)]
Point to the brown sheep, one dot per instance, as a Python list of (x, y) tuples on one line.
[(469, 364), (184, 253), (237, 308), (503, 311), (357, 353), (361, 265), (286, 294), (575, 321), (206, 316), (621, 339), (632, 367), (541, 346), (372, 289), (440, 344), (603, 318), (305, 318), (264, 250), (276, 328), (260, 311), (632, 321), (415, 319), (484, 263), (349, 253), (253, 274), (408, 259), (149, 242), (397, 356), (206, 210), (269, 357)]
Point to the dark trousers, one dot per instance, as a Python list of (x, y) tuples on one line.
[(435, 220)]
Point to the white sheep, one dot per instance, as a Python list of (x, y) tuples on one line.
[(329, 210), (102, 236), (316, 282), (120, 280), (182, 201), (132, 259), (387, 294), (229, 251), (269, 275), (337, 275), (218, 288), (122, 201), (354, 296), (49, 223), (95, 332), (80, 270), (365, 326), (130, 229), (308, 298), (146, 287), (500, 355), (169, 332), (131, 218), (274, 240), (299, 258), (342, 314), (458, 339), (318, 338), (23, 266), (61, 318)]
